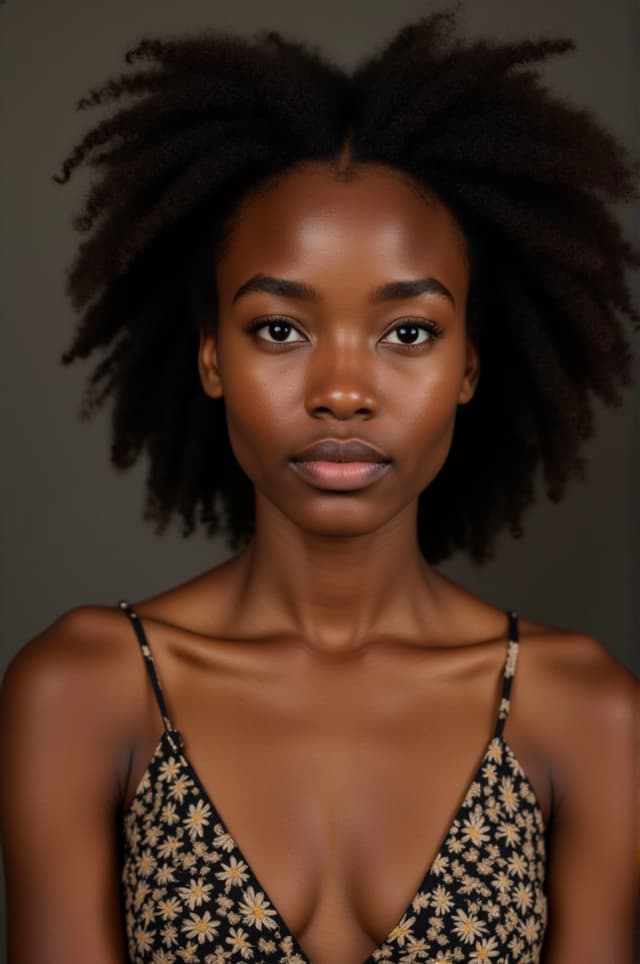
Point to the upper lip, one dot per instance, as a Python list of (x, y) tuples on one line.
[(335, 450)]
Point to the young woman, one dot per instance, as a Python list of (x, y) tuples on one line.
[(348, 317)]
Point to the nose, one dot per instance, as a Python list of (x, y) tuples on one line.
[(340, 384)]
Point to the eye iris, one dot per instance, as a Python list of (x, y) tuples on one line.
[(411, 330), (279, 331)]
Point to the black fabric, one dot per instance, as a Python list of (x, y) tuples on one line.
[(189, 893)]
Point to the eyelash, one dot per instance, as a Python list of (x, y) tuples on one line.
[(434, 330)]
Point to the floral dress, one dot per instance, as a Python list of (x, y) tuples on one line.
[(190, 895)]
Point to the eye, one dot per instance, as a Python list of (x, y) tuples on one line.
[(275, 331), (411, 334), (414, 333)]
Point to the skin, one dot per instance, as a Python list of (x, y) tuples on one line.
[(328, 696)]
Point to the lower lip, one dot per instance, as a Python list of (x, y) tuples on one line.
[(340, 476)]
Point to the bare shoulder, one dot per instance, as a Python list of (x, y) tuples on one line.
[(563, 675), (65, 748), (79, 645), (576, 697), (82, 666), (577, 669)]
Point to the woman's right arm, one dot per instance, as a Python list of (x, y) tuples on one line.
[(63, 763)]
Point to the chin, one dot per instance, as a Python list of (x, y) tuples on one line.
[(342, 521)]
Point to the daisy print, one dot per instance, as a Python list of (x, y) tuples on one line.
[(510, 833), (170, 846), (189, 953), (402, 930), (197, 819), (240, 943), (474, 828), (441, 900), (523, 896), (234, 874), (256, 909), (196, 893), (420, 901), (163, 957), (201, 926), (169, 935), (169, 814), (219, 956), (223, 838), (169, 769), (440, 864), (468, 926), (169, 909), (179, 787), (508, 795), (485, 950), (191, 896), (494, 752)]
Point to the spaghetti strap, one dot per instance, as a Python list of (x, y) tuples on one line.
[(173, 734), (508, 673)]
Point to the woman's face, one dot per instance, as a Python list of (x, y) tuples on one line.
[(343, 346)]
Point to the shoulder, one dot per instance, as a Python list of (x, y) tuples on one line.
[(579, 706), (78, 646), (83, 667), (581, 702), (65, 753), (575, 672)]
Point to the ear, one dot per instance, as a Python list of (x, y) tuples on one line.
[(208, 363), (471, 373)]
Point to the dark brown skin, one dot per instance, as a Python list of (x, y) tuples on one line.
[(335, 692)]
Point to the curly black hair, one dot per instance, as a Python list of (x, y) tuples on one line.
[(527, 176)]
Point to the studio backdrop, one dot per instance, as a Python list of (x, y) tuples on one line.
[(72, 528)]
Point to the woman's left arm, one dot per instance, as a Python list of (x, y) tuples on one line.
[(592, 875)]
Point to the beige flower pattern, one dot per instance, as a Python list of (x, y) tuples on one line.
[(189, 894)]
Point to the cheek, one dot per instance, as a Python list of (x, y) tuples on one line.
[(258, 411), (429, 415)]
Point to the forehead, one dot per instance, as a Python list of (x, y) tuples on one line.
[(308, 216)]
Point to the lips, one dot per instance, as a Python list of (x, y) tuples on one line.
[(334, 450), (340, 466)]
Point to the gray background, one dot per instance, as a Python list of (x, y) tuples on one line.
[(71, 527)]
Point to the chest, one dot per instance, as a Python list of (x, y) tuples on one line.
[(357, 823)]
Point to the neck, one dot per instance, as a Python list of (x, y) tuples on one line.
[(338, 593)]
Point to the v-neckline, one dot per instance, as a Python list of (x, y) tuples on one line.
[(171, 736)]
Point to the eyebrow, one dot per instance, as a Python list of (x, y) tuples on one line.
[(391, 291)]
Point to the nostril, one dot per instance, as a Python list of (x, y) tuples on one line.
[(342, 413), (341, 404)]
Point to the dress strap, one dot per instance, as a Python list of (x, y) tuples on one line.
[(508, 672), (174, 735)]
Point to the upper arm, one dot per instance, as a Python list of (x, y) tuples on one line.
[(61, 763), (593, 844)]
